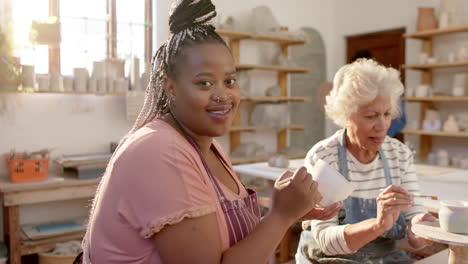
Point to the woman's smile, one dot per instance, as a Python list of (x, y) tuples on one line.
[(220, 113)]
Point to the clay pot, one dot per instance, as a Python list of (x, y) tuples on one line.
[(426, 19)]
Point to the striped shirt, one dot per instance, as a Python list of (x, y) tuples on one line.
[(368, 180)]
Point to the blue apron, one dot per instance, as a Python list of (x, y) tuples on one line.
[(355, 210)]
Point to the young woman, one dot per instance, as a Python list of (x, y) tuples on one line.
[(169, 194)]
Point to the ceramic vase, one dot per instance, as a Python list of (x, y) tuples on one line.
[(426, 19)]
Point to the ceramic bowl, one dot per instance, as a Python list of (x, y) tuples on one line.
[(453, 216)]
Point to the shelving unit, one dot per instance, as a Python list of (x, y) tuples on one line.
[(425, 143), (234, 38)]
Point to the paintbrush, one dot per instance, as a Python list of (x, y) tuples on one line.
[(426, 196)]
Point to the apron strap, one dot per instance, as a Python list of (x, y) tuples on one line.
[(192, 142), (343, 161)]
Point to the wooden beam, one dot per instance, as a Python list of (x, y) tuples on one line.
[(425, 141), (234, 45), (13, 233), (148, 32), (111, 29), (234, 136), (54, 51)]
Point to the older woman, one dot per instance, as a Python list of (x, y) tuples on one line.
[(363, 101)]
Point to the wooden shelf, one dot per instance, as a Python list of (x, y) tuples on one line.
[(236, 161), (258, 128), (423, 67), (436, 32), (272, 68), (435, 133), (248, 128), (275, 99), (233, 35), (46, 244), (282, 40), (295, 127), (238, 35), (52, 92), (437, 99)]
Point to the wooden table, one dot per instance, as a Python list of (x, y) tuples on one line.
[(55, 188), (458, 243)]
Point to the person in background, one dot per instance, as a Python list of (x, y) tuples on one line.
[(381, 209), (170, 194)]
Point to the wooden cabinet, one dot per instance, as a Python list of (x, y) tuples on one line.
[(427, 76), (234, 39)]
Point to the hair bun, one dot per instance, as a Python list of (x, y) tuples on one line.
[(190, 13)]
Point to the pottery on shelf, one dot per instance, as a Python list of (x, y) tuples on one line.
[(279, 161), (462, 54), (271, 115), (422, 90), (135, 74), (426, 19), (68, 83), (451, 57), (92, 85), (56, 82), (42, 82), (442, 158), (432, 125), (453, 216), (451, 125), (444, 21), (431, 158), (80, 81), (274, 90), (459, 84), (243, 80), (423, 58), (27, 76), (246, 150), (432, 60), (409, 92)]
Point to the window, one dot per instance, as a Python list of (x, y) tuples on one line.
[(131, 31), (83, 34), (24, 12)]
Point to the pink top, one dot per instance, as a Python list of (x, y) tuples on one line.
[(155, 179)]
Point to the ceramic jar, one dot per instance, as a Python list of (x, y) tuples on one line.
[(453, 216), (426, 19)]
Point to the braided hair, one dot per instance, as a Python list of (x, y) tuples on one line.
[(188, 24)]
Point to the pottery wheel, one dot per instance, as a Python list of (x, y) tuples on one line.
[(458, 243)]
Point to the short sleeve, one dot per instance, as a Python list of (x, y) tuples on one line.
[(161, 183)]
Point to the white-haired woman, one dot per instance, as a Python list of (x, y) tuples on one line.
[(364, 100)]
